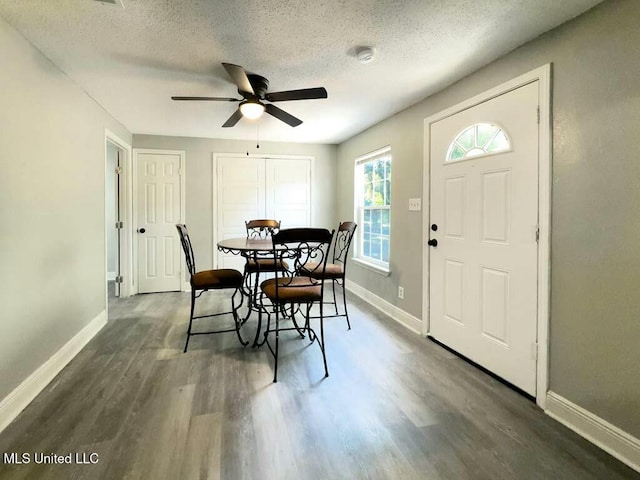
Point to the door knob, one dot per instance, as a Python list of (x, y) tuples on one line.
[(141, 230), (433, 242)]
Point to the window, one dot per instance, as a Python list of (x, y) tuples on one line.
[(478, 139), (373, 203)]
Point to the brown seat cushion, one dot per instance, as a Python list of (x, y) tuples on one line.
[(214, 279), (332, 270), (292, 290), (264, 265)]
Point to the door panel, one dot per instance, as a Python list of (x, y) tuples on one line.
[(240, 194), (483, 273), (288, 183), (252, 187), (158, 210)]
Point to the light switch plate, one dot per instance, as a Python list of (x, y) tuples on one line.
[(415, 204)]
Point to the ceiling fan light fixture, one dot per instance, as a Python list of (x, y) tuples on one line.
[(252, 109)]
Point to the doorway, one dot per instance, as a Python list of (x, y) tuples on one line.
[(117, 215), (159, 204), (487, 230)]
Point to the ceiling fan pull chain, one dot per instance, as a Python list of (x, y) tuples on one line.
[(257, 136)]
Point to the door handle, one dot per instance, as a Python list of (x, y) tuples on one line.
[(433, 242), (141, 230)]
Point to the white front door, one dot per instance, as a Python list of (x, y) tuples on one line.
[(251, 187), (484, 216), (158, 210)]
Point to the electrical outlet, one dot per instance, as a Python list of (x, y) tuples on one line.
[(415, 204), (401, 293)]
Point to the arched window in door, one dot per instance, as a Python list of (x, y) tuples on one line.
[(477, 140)]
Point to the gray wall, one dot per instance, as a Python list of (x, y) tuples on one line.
[(52, 208), (594, 331), (199, 181)]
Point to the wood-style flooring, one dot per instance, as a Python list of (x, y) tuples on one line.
[(396, 406)]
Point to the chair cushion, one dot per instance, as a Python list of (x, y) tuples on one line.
[(292, 290), (264, 265), (216, 279), (314, 271)]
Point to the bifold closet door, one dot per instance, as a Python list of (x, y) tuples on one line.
[(249, 187)]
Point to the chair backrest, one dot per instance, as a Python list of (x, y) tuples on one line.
[(346, 230), (262, 228), (186, 246), (301, 247)]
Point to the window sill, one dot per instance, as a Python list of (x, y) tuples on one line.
[(375, 268)]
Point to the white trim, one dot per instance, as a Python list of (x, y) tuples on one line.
[(126, 253), (111, 276), (23, 394), (405, 319), (608, 437), (380, 267), (381, 270), (543, 76), (134, 197), (214, 180), (380, 152)]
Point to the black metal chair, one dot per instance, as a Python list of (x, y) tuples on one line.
[(219, 279), (261, 229), (294, 248), (336, 271)]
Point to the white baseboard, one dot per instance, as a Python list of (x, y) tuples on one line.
[(23, 395), (608, 437), (412, 323)]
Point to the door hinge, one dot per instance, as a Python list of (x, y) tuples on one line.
[(119, 279), (534, 351), (537, 233), (118, 170), (119, 225), (538, 114)]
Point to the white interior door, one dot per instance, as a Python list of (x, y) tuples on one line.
[(288, 189), (240, 195), (158, 210), (249, 187), (483, 271)]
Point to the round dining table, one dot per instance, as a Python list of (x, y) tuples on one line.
[(249, 248), (244, 246)]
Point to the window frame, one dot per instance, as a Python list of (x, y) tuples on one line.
[(499, 129), (377, 265)]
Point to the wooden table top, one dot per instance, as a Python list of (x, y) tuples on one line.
[(244, 244)]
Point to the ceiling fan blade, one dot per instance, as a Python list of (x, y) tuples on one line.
[(208, 99), (282, 115), (233, 119), (303, 94), (239, 77)]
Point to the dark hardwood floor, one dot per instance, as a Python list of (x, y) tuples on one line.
[(396, 406)]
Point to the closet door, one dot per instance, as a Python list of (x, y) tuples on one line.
[(250, 187), (240, 194), (288, 183)]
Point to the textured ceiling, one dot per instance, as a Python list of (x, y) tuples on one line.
[(132, 60)]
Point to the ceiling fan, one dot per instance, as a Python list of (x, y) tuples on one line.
[(253, 89)]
